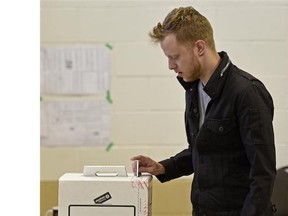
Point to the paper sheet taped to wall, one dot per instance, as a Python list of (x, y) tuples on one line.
[(74, 123), (74, 69)]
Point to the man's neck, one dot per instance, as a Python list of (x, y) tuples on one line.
[(210, 63)]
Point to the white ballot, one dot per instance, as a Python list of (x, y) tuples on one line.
[(105, 194)]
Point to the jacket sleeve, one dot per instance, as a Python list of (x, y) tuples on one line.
[(177, 166), (255, 114)]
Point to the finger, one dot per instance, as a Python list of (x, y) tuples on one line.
[(138, 157), (143, 161), (149, 170)]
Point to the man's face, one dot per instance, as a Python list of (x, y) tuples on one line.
[(182, 59)]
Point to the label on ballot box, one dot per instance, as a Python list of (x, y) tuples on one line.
[(105, 191)]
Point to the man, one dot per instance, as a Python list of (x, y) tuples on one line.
[(228, 119)]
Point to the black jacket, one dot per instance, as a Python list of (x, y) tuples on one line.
[(232, 155)]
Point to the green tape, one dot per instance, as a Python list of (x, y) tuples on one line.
[(109, 146), (108, 97), (41, 98), (109, 46)]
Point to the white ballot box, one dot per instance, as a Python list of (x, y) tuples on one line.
[(105, 191)]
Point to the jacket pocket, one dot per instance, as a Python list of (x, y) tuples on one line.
[(221, 126), (222, 134)]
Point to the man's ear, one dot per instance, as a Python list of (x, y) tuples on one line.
[(200, 44)]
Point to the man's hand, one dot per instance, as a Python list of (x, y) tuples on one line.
[(148, 165)]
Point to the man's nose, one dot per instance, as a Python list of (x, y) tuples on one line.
[(171, 64)]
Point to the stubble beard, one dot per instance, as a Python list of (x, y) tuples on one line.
[(196, 73)]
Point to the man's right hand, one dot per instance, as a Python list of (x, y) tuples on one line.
[(148, 165)]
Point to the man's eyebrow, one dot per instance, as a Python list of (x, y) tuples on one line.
[(173, 55)]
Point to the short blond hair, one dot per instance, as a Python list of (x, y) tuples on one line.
[(187, 24)]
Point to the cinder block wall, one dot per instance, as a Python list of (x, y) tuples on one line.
[(148, 103)]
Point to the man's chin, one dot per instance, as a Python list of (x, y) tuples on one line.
[(187, 79)]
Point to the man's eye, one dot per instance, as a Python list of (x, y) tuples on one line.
[(173, 57)]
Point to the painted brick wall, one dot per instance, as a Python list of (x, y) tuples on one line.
[(148, 103)]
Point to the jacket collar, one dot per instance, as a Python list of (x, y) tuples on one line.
[(216, 81)]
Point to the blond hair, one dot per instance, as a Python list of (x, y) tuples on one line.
[(187, 24)]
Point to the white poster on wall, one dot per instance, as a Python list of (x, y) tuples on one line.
[(75, 123), (74, 69)]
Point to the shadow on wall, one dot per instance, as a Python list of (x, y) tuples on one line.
[(280, 192)]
